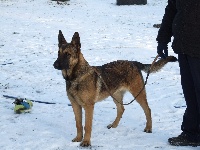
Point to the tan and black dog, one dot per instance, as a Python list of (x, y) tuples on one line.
[(85, 86)]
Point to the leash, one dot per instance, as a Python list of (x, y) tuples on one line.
[(99, 75), (13, 97)]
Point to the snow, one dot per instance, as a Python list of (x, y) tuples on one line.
[(28, 49)]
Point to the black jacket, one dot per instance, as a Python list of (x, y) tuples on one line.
[(182, 21)]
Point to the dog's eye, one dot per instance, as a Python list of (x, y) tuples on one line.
[(67, 54)]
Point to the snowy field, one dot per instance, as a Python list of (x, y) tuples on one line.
[(28, 49)]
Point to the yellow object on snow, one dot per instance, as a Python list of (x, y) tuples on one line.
[(22, 106)]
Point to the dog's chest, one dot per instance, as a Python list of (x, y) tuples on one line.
[(72, 87), (74, 91)]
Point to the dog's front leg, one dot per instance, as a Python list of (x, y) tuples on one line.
[(78, 117), (89, 109)]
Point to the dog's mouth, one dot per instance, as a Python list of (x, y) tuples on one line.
[(57, 65), (60, 66)]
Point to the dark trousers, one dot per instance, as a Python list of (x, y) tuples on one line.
[(190, 80)]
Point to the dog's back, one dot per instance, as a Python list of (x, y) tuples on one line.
[(122, 73)]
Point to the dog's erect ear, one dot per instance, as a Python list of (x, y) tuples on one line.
[(61, 39), (76, 40)]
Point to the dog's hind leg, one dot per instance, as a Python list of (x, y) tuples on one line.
[(89, 110), (143, 103), (142, 100), (120, 109), (78, 117)]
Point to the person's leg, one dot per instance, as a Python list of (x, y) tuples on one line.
[(190, 123), (190, 77), (195, 70)]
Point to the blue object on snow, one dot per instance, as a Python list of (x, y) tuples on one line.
[(26, 105)]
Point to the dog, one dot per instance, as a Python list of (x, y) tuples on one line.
[(86, 85)]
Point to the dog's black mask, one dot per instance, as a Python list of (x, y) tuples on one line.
[(60, 66), (57, 65)]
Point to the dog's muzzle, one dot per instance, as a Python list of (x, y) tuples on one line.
[(57, 65)]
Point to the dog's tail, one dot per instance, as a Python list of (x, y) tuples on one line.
[(157, 65)]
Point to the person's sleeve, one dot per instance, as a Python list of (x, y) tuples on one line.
[(165, 31)]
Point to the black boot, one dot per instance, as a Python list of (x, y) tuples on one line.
[(182, 140)]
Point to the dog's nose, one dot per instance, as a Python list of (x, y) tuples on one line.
[(56, 65)]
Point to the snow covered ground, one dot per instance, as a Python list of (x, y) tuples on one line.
[(28, 49)]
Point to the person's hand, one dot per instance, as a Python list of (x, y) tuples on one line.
[(162, 50)]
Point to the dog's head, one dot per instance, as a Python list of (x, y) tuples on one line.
[(68, 53)]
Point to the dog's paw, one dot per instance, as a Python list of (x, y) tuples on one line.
[(85, 144), (77, 139), (109, 126), (114, 125), (147, 130)]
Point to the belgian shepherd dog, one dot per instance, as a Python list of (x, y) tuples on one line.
[(86, 85)]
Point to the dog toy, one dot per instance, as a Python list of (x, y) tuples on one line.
[(22, 105)]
